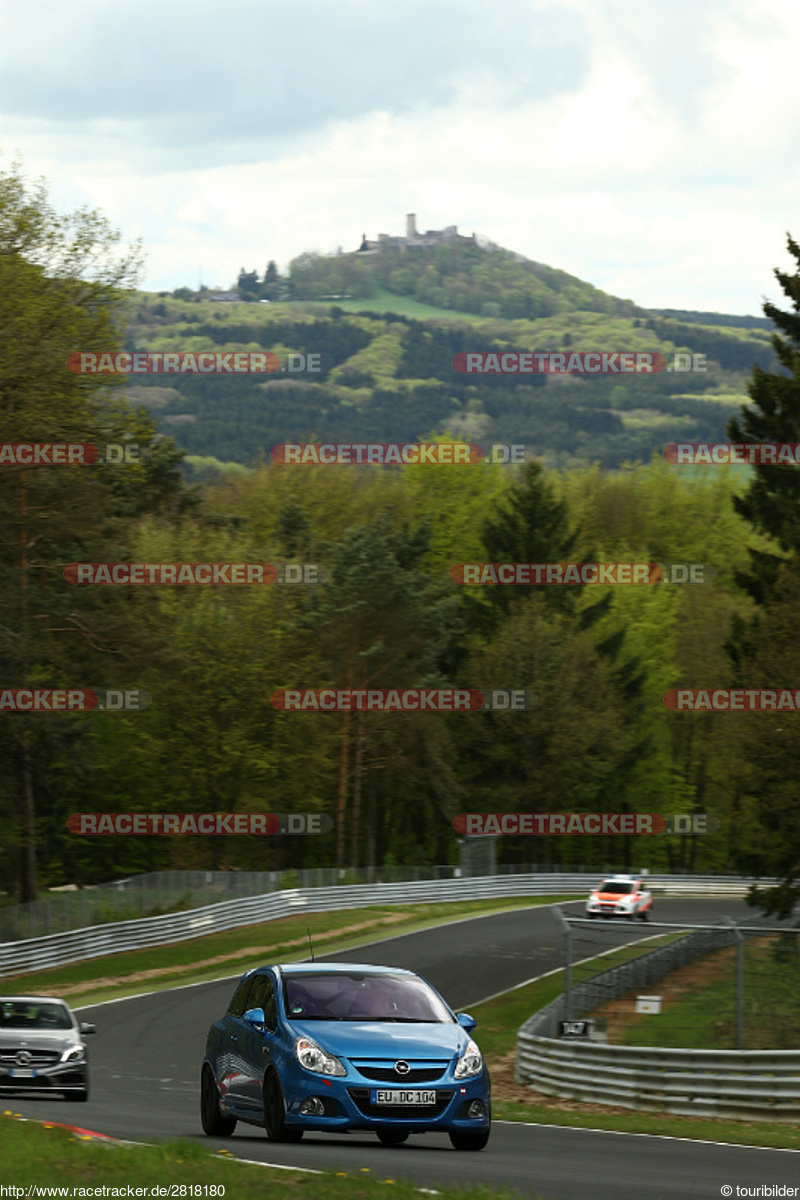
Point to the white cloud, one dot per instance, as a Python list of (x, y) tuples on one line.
[(652, 151)]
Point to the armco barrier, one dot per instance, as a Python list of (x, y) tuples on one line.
[(76, 945), (754, 1084)]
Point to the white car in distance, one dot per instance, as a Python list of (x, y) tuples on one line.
[(620, 896)]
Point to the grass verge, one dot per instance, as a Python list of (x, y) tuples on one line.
[(49, 1156), (699, 1002)]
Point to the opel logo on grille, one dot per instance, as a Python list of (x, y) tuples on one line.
[(23, 1058), (402, 1067)]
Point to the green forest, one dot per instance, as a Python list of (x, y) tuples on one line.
[(599, 659), (387, 358)]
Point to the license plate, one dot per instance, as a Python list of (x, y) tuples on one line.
[(22, 1072), (381, 1096)]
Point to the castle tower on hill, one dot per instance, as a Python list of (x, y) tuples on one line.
[(432, 237)]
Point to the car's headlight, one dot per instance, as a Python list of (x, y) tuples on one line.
[(73, 1053), (470, 1063), (314, 1058)]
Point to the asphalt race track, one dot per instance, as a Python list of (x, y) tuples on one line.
[(147, 1054)]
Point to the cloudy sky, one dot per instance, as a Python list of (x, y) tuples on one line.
[(650, 147)]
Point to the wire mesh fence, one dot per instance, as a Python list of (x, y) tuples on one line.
[(732, 987), (161, 892)]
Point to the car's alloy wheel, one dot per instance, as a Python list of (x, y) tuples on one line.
[(392, 1137), (468, 1141), (645, 914), (213, 1122), (274, 1113)]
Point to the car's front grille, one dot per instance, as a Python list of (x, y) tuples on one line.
[(388, 1074), (361, 1099), (37, 1058)]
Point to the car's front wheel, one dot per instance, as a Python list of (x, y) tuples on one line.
[(392, 1137), (645, 914), (469, 1141), (213, 1122), (275, 1112)]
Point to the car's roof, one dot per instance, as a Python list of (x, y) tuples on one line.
[(337, 968), (32, 1000), (622, 879)]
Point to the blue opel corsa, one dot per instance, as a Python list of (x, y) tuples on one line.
[(335, 1047)]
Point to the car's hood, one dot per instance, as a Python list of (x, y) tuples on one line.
[(38, 1039), (385, 1039), (616, 895)]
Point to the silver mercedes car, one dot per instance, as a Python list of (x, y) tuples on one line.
[(42, 1047)]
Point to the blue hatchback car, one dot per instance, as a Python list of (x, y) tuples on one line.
[(336, 1047)]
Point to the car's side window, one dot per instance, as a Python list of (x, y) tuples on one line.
[(262, 995), (237, 1004), (270, 1006)]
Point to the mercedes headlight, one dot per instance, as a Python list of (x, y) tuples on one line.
[(73, 1054), (314, 1058), (470, 1063)]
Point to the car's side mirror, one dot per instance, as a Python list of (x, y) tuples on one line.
[(255, 1017), (85, 1027), (466, 1021)]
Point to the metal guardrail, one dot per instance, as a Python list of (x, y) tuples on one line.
[(35, 954), (755, 1084), (155, 893)]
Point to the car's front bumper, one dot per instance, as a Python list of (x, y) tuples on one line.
[(610, 910), (59, 1077), (348, 1104)]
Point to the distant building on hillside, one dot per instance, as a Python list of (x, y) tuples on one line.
[(230, 297), (432, 237)]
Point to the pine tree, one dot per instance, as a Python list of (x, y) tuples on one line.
[(764, 648), (772, 502)]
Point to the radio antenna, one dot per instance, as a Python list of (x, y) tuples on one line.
[(311, 948)]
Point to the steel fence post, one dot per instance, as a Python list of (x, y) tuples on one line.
[(567, 932), (739, 980)]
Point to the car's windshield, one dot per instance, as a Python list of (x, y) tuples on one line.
[(23, 1015), (361, 997), (617, 887)]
